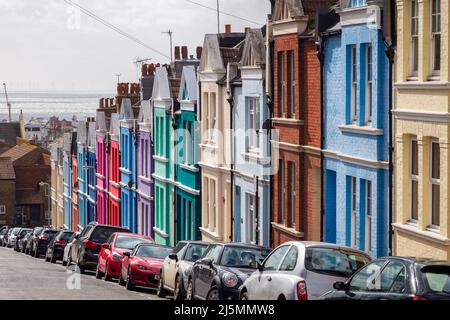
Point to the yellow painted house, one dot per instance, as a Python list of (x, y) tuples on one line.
[(421, 222)]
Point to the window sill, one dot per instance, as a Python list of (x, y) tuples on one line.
[(125, 170), (210, 234), (368, 130), (145, 179), (209, 146), (288, 121), (414, 230), (160, 159), (290, 231), (254, 156), (189, 167), (424, 85), (160, 232)]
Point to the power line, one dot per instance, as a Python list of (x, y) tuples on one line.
[(113, 27), (225, 13)]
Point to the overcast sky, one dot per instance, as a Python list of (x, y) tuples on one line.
[(43, 46)]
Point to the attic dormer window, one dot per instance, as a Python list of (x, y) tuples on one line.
[(356, 3)]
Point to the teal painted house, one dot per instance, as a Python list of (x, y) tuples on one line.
[(163, 157), (187, 172)]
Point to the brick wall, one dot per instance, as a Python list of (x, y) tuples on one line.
[(8, 199)]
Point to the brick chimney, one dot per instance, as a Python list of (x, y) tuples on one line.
[(247, 30), (144, 71), (151, 69), (101, 103), (177, 53), (228, 28), (199, 52), (184, 52)]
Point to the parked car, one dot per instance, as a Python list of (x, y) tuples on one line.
[(68, 247), (19, 239), (396, 278), (41, 241), (3, 234), (32, 239), (177, 267), (86, 247), (24, 241), (12, 237), (55, 249), (112, 253), (6, 237), (302, 271), (222, 271), (142, 266)]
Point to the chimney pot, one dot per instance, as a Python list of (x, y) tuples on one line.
[(101, 103), (228, 28), (144, 71), (184, 52), (199, 52), (177, 53), (151, 69)]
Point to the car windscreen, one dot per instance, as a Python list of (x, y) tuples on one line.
[(37, 231), (127, 242), (157, 252), (334, 261), (195, 252), (64, 236), (242, 257), (437, 278), (102, 234), (50, 233), (15, 231), (24, 232)]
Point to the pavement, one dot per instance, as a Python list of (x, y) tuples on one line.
[(29, 278)]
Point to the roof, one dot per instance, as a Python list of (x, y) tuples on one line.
[(17, 152), (67, 144), (115, 125), (126, 110), (100, 121), (419, 260), (254, 45), (230, 55), (9, 131), (161, 88), (4, 146), (6, 169), (82, 132), (92, 135), (188, 81), (174, 84), (145, 113)]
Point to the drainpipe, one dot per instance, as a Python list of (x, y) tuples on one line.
[(199, 118), (175, 202), (231, 102), (135, 175)]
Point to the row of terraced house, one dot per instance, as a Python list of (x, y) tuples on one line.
[(329, 123)]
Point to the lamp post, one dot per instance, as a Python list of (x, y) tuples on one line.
[(48, 212)]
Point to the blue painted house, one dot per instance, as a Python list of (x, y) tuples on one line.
[(82, 132), (128, 163), (251, 148), (188, 207), (67, 182), (356, 129), (91, 159)]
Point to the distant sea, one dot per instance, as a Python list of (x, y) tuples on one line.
[(46, 104)]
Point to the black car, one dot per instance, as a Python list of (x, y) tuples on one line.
[(29, 248), (87, 245), (19, 240), (222, 271), (40, 242), (396, 278), (55, 249)]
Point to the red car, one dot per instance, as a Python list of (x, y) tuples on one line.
[(143, 265), (112, 253)]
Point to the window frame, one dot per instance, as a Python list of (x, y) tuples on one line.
[(250, 206), (353, 84), (434, 182), (369, 217), (369, 85), (2, 209), (413, 178), (435, 72), (353, 211), (414, 37), (253, 123)]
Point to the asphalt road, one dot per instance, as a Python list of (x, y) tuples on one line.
[(25, 277)]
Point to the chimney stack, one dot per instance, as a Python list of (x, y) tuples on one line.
[(106, 104), (228, 28), (184, 52), (144, 71), (151, 69), (177, 53), (101, 103), (199, 52), (247, 29)]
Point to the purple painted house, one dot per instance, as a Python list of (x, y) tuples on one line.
[(102, 169)]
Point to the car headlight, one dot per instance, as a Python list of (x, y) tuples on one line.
[(230, 279), (117, 256), (141, 267)]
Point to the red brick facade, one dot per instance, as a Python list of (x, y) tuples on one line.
[(300, 141)]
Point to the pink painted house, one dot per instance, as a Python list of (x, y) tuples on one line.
[(102, 169)]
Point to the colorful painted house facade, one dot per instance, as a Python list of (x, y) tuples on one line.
[(421, 116), (188, 206), (356, 131), (215, 135), (113, 154), (75, 213), (251, 145), (91, 172), (128, 162), (82, 133), (102, 176), (67, 169)]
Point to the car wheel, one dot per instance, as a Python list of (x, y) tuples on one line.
[(47, 259), (178, 290), (213, 294), (107, 276), (53, 259), (98, 273), (161, 292), (121, 281), (129, 285), (36, 254), (80, 267), (244, 296), (64, 263), (190, 290)]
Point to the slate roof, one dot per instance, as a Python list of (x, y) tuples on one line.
[(82, 132), (9, 131), (92, 138), (174, 84), (100, 121), (17, 152), (255, 45), (6, 169), (4, 146)]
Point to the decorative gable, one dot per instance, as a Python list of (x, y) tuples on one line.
[(126, 110), (211, 57), (188, 87), (92, 136), (253, 54), (161, 88), (288, 9)]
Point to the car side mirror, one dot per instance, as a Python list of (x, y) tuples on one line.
[(339, 286), (259, 266), (207, 262), (105, 246), (173, 256), (127, 254)]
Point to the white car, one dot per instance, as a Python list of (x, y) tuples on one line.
[(302, 271), (68, 247), (13, 238)]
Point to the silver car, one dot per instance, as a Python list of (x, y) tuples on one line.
[(302, 271), (68, 247), (13, 237)]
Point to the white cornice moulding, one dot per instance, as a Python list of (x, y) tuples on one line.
[(291, 26), (374, 164), (366, 130), (423, 234), (414, 115), (419, 85)]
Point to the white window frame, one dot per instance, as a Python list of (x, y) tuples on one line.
[(368, 223), (282, 81), (206, 120), (293, 192), (436, 29), (353, 212), (353, 84), (214, 204), (213, 116), (283, 219), (413, 178), (250, 218), (2, 209), (253, 123), (369, 84), (207, 204), (434, 182), (414, 34), (292, 85)]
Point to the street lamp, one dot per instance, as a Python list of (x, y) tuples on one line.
[(48, 188)]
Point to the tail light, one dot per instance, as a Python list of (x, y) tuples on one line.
[(60, 242), (415, 298), (88, 244), (302, 292), (42, 238)]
